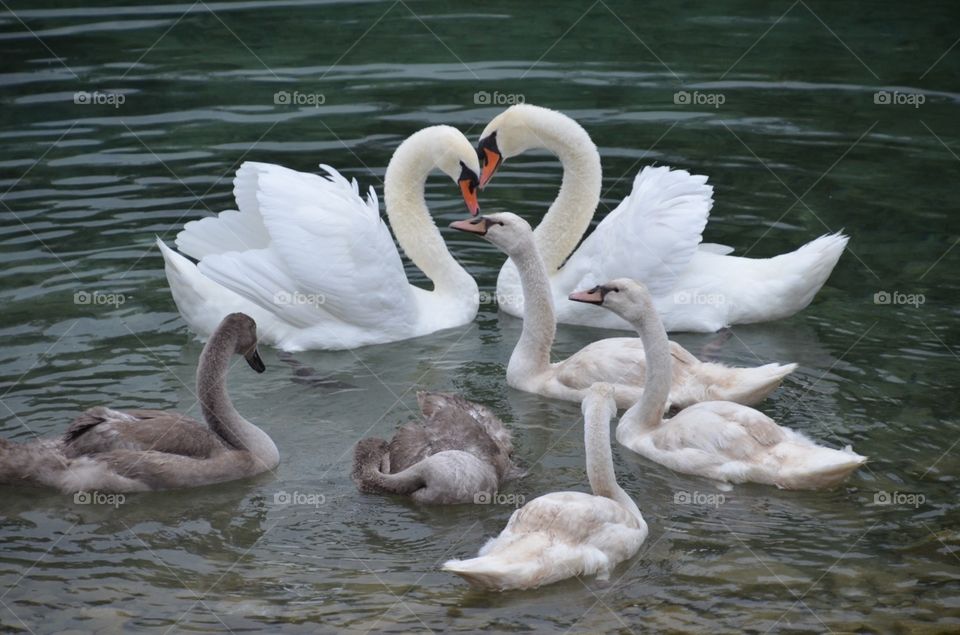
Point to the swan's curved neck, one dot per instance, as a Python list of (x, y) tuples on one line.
[(600, 472), (569, 216), (417, 234), (218, 410), (647, 414), (531, 356)]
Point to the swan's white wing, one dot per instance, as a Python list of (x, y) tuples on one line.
[(333, 245), (231, 230), (651, 236), (260, 276), (725, 429)]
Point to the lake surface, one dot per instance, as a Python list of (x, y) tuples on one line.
[(781, 110)]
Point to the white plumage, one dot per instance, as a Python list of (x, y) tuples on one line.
[(619, 360), (565, 534), (721, 440), (653, 235), (311, 260), (729, 442)]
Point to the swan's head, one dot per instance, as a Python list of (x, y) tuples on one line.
[(444, 148), (244, 331), (507, 231), (520, 128), (458, 160), (627, 298), (508, 134), (599, 402)]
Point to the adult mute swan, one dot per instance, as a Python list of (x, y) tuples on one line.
[(137, 450), (717, 439), (312, 262), (460, 452), (565, 534), (653, 235), (617, 360)]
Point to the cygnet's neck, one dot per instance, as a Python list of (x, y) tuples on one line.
[(600, 471), (647, 414), (531, 356), (217, 408)]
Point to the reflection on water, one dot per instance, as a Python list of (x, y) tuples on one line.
[(121, 123)]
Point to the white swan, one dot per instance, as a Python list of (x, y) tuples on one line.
[(459, 452), (312, 262), (617, 360), (137, 450), (717, 439), (654, 235), (565, 534)]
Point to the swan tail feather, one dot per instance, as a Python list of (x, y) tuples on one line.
[(527, 561), (518, 565), (820, 468), (191, 291), (203, 303), (747, 386), (797, 276)]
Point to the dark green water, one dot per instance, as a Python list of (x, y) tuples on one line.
[(86, 187)]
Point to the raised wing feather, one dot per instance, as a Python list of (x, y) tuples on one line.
[(651, 236), (260, 276), (334, 245), (231, 230)]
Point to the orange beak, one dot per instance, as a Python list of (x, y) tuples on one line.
[(490, 157), (476, 226), (593, 296), (468, 187), (492, 161)]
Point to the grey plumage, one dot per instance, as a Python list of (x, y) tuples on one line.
[(457, 452), (136, 450)]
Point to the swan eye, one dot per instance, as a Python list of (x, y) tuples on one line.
[(490, 222), (469, 178), (604, 290)]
